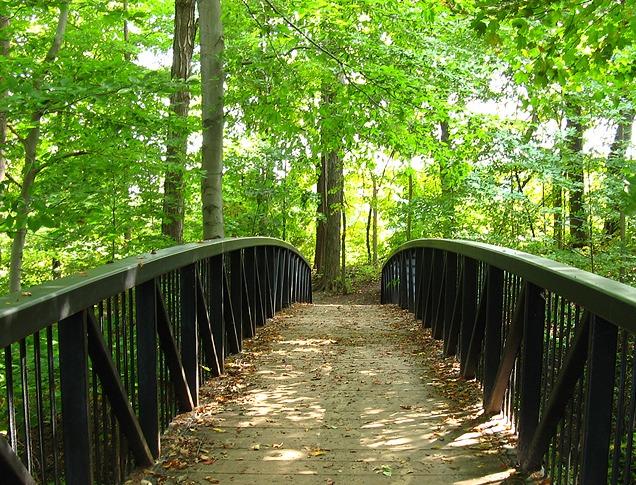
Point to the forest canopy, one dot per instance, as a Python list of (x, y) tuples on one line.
[(345, 127)]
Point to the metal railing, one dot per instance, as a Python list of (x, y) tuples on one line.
[(553, 348), (95, 366)]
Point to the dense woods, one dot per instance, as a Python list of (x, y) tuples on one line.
[(344, 127)]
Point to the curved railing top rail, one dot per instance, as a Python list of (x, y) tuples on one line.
[(58, 299), (609, 299)]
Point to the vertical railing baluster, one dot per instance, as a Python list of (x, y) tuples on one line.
[(74, 394), (189, 330), (531, 359)]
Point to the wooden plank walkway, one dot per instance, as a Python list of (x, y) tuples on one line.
[(335, 393)]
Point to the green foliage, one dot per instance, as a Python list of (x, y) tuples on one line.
[(394, 87)]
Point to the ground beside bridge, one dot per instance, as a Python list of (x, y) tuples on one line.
[(336, 392)]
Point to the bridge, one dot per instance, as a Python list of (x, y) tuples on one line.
[(211, 363)]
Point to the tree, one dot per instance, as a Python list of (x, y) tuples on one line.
[(212, 78), (178, 131), (32, 166)]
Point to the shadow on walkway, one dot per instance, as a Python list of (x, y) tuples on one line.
[(336, 393)]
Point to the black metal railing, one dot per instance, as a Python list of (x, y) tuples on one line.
[(96, 365), (552, 346)]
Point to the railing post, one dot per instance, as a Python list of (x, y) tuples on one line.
[(468, 308), (236, 290), (494, 322), (310, 295), (450, 291), (429, 289), (280, 279), (286, 278), (249, 305), (74, 390), (452, 339), (261, 268), (403, 280), (269, 263), (189, 330), (296, 278), (146, 308), (231, 334), (217, 282), (478, 331), (598, 406), (410, 282), (437, 329), (531, 367), (417, 304)]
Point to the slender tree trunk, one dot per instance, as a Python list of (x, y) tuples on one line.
[(374, 239), (333, 221), (578, 234), (368, 234), (321, 215), (177, 137), (557, 207), (30, 170), (615, 163), (343, 252), (285, 208), (4, 52), (212, 77), (409, 213), (447, 188), (24, 208)]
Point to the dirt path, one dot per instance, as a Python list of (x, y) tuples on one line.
[(335, 393)]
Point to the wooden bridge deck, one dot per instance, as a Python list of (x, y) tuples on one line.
[(335, 393)]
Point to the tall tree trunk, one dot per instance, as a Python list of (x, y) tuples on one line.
[(409, 213), (177, 137), (578, 234), (321, 215), (30, 170), (334, 184), (557, 207), (343, 252), (615, 163), (374, 204), (368, 234), (4, 52), (212, 77), (446, 185)]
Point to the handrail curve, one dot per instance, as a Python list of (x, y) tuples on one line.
[(554, 348)]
